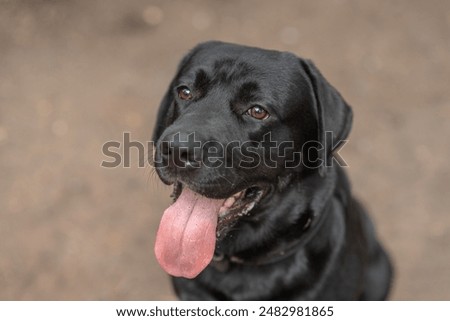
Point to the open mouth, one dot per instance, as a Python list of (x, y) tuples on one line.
[(189, 228), (233, 207)]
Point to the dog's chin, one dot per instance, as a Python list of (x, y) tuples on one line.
[(235, 206)]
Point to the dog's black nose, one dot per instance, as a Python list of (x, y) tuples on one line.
[(181, 150)]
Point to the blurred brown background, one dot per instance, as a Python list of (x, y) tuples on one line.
[(76, 74)]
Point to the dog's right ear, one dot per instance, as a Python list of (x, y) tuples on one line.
[(167, 112)]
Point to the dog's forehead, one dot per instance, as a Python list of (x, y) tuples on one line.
[(242, 61)]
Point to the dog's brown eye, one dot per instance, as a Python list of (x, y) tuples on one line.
[(184, 93), (258, 112)]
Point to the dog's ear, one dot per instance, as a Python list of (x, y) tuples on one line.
[(167, 112), (334, 115)]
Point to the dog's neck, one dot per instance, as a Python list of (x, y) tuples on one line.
[(312, 212), (281, 251)]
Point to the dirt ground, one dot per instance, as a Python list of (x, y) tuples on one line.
[(77, 74)]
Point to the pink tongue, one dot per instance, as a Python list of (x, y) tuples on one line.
[(186, 237)]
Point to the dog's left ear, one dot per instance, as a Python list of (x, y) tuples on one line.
[(334, 115)]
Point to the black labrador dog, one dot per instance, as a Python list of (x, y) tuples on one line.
[(262, 209)]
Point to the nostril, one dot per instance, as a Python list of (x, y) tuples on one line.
[(184, 156), (180, 150), (165, 148)]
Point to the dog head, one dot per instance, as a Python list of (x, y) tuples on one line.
[(234, 122)]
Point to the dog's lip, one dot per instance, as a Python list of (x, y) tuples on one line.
[(211, 191), (237, 206), (208, 190), (229, 203), (239, 200)]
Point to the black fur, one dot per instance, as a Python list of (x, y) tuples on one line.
[(307, 238)]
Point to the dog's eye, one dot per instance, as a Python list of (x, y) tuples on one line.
[(184, 93), (258, 112)]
